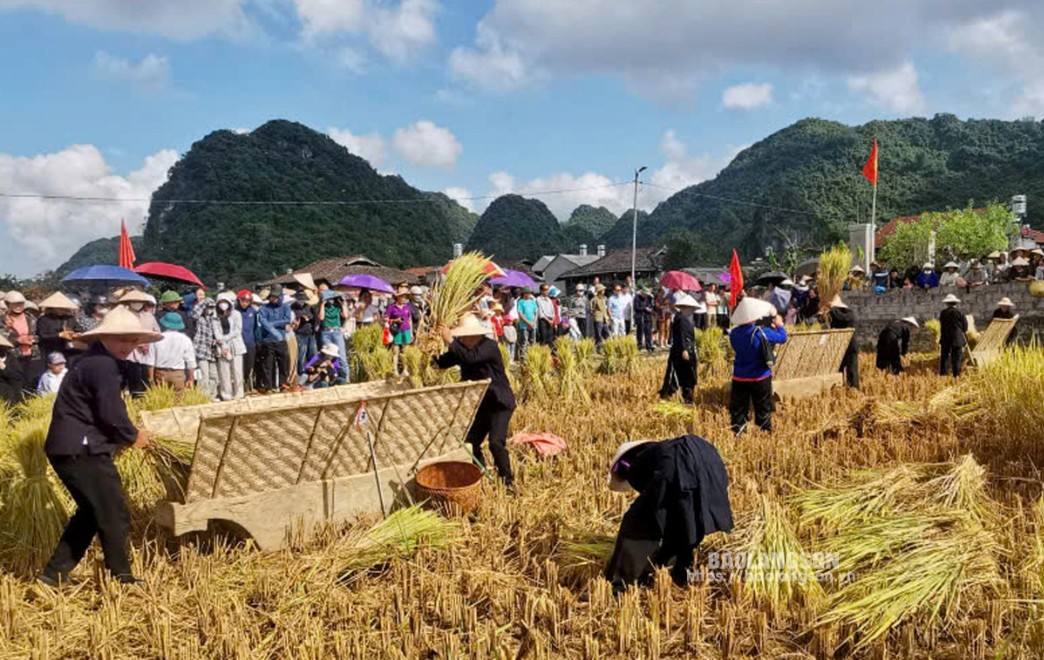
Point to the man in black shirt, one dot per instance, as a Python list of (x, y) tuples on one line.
[(681, 365), (479, 358), (89, 424), (952, 339), (841, 317)]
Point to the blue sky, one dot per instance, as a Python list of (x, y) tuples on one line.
[(476, 98)]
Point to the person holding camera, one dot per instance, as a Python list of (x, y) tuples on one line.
[(756, 327), (333, 314)]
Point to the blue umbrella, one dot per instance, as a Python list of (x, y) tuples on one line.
[(104, 275)]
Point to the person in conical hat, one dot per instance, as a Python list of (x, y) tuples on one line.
[(953, 328), (893, 343), (58, 325), (756, 327), (1005, 310), (681, 364), (479, 358), (683, 496), (89, 424), (839, 317), (19, 328)]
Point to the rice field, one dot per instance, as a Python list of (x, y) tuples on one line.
[(908, 515)]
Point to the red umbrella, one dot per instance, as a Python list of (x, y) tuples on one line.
[(490, 269), (678, 280), (168, 271)]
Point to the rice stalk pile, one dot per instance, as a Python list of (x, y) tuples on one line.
[(415, 365), (35, 506), (934, 328), (586, 356), (778, 572), (536, 379), (570, 377), (834, 265), (712, 350), (399, 535), (370, 358), (620, 355)]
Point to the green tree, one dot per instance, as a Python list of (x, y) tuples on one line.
[(959, 235)]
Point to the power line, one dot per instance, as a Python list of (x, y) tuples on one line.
[(730, 199), (285, 202)]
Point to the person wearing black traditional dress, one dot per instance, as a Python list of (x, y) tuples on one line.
[(841, 317), (893, 343), (681, 364), (683, 496)]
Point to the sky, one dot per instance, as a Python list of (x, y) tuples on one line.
[(561, 100)]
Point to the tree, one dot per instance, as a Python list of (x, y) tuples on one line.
[(959, 235), (685, 250)]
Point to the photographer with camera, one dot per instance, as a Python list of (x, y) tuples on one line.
[(756, 327), (333, 312)]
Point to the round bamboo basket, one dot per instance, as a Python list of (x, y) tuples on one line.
[(452, 487)]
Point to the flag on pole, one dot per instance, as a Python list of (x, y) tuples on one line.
[(870, 169), (735, 279), (127, 257)]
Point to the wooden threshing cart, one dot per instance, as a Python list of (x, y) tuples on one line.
[(278, 465), (807, 365), (992, 341)]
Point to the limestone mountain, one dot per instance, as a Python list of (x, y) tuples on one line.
[(515, 227)]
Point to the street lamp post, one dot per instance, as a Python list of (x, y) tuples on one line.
[(634, 238)]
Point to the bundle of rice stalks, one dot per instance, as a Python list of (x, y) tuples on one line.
[(536, 379), (451, 298), (572, 385), (35, 506), (586, 356), (416, 365), (34, 407), (1010, 389), (871, 496), (713, 355), (778, 573), (935, 330), (368, 338), (963, 488), (162, 397), (673, 410), (370, 359), (921, 574), (398, 535), (834, 265), (621, 355), (583, 555), (1036, 288), (154, 473)]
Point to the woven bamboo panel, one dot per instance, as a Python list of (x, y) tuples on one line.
[(241, 452), (995, 335), (816, 353), (183, 423)]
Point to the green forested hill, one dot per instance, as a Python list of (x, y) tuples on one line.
[(283, 161), (587, 224), (806, 180), (515, 227)]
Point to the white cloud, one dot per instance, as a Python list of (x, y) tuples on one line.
[(153, 71), (370, 147), (747, 96), (491, 65), (895, 89), (462, 196), (679, 170), (38, 234), (1009, 42), (399, 31), (427, 144), (185, 19)]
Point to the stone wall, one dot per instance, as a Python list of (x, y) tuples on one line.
[(874, 310)]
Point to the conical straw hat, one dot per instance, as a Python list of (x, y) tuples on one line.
[(469, 326), (59, 300), (751, 309), (121, 322), (136, 296)]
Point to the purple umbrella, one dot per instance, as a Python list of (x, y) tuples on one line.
[(363, 281), (513, 278)]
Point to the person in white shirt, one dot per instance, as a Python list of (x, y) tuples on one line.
[(52, 379), (628, 306), (173, 358), (617, 311)]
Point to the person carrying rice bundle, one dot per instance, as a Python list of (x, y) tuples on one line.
[(683, 496), (479, 358), (89, 425)]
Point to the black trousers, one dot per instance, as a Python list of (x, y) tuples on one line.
[(249, 360), (645, 331), (545, 332), (600, 332), (493, 421), (275, 364), (850, 368), (640, 550), (101, 510), (700, 321), (137, 379), (889, 357), (743, 395), (950, 359)]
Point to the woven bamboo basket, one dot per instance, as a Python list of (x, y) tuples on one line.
[(452, 487)]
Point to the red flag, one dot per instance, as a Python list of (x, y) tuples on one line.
[(735, 280), (127, 257), (870, 169)]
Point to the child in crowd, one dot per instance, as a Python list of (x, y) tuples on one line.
[(52, 379)]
